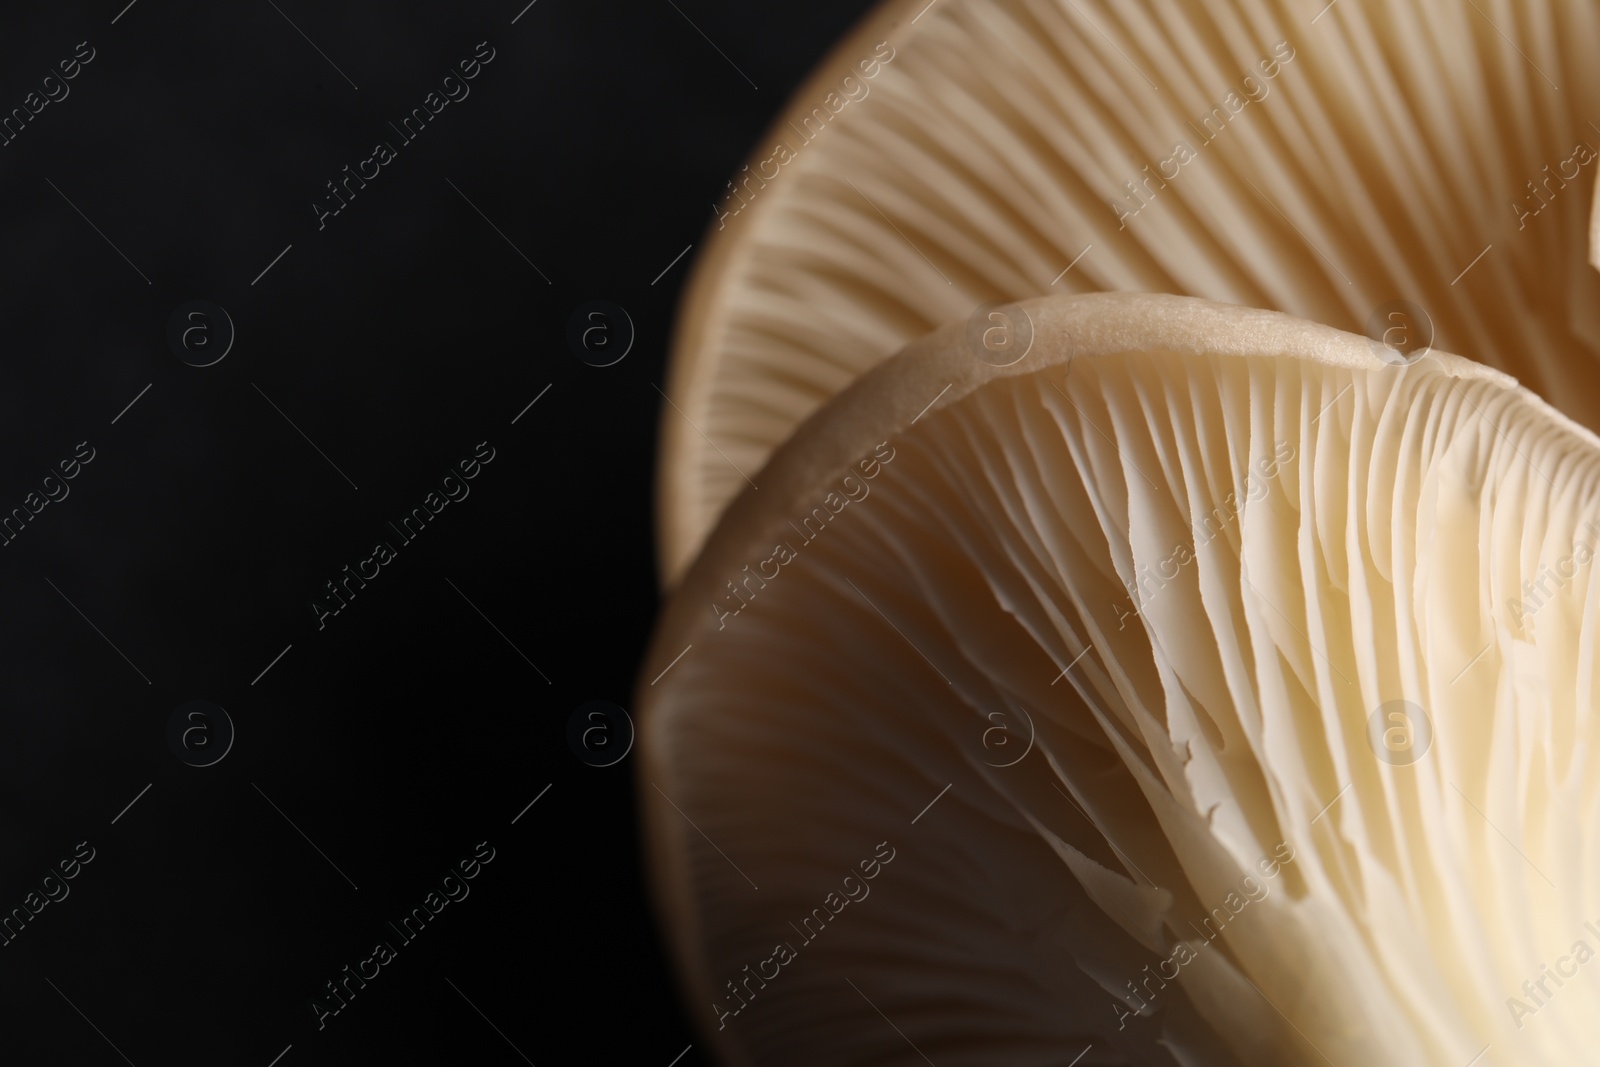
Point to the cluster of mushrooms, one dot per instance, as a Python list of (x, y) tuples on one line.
[(1199, 556)]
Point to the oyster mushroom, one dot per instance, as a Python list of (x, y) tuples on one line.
[(1353, 534), (1321, 160)]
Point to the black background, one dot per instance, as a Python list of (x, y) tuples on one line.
[(381, 748)]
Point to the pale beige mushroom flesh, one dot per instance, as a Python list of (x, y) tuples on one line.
[(1192, 560)]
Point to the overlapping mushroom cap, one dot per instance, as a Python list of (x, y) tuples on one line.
[(1323, 161), (1198, 558), (1219, 681)]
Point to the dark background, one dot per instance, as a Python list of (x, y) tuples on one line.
[(380, 749)]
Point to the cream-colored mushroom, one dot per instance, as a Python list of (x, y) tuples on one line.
[(1193, 559)]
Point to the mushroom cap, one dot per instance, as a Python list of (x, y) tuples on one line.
[(1416, 151), (1192, 560)]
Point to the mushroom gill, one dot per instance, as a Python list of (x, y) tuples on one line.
[(1325, 160), (1292, 650)]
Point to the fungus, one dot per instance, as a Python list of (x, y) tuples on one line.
[(1320, 160), (1293, 648)]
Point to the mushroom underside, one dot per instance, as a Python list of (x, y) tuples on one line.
[(1107, 648)]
